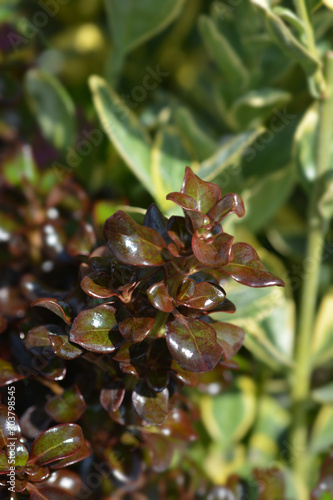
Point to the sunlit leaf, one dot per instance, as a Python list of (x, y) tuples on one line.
[(192, 343), (56, 443), (94, 329)]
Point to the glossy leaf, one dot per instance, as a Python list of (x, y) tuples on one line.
[(192, 343), (206, 194), (58, 442), (206, 296), (136, 329), (94, 329), (247, 268), (112, 396), (66, 407), (63, 348), (63, 483), (151, 406), (58, 307), (39, 336), (81, 454), (215, 254), (230, 337), (9, 427), (159, 297), (97, 285), (8, 373), (131, 243), (229, 203)]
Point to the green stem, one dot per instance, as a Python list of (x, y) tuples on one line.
[(316, 239), (303, 14)]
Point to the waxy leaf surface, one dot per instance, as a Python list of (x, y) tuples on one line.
[(131, 243), (97, 285), (112, 396), (56, 443), (229, 203), (230, 337), (159, 297), (206, 296), (93, 329), (8, 373), (66, 407), (247, 268), (215, 254), (206, 194), (192, 343), (56, 306), (63, 348), (151, 406), (136, 329)]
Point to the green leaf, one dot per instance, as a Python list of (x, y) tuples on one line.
[(228, 154), (322, 436), (168, 161), (305, 147), (251, 109), (132, 22), (53, 108), (124, 130), (58, 442), (290, 16), (192, 343), (267, 316), (66, 407), (223, 53), (95, 329), (271, 423), (284, 38), (323, 394), (198, 142), (228, 416), (322, 346), (265, 194)]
